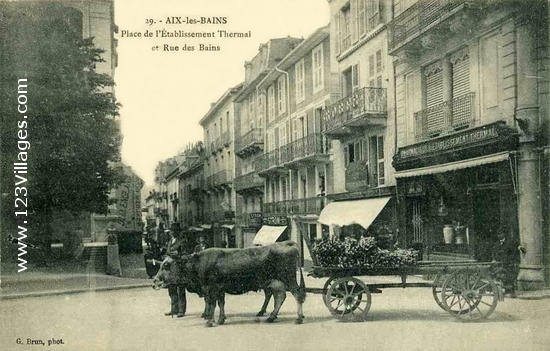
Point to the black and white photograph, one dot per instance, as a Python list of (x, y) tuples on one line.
[(245, 175)]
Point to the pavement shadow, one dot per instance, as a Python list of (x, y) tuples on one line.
[(429, 315)]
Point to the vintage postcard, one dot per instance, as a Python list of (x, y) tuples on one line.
[(274, 174)]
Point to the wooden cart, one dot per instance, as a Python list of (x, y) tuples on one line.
[(465, 289)]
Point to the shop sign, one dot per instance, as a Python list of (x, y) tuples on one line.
[(276, 220), (255, 219), (446, 143), (357, 176)]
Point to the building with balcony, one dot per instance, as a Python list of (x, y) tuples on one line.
[(471, 105), (219, 169), (359, 121), (295, 162), (249, 141), (192, 191), (166, 193)]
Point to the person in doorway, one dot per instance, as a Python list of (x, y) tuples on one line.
[(175, 247), (507, 252)]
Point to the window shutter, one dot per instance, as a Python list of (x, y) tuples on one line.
[(346, 156), (355, 77), (352, 19), (338, 36), (434, 97), (461, 76)]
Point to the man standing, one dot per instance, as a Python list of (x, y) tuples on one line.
[(507, 252), (175, 247)]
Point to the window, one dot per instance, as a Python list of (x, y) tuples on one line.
[(251, 110), (345, 27), (375, 70), (228, 128), (299, 79), (353, 152), (281, 94), (270, 103), (350, 80), (318, 66)]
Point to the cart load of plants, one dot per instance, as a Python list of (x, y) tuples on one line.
[(332, 252)]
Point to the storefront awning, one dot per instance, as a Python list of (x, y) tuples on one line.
[(228, 226), (268, 235), (206, 226), (362, 212), (453, 166)]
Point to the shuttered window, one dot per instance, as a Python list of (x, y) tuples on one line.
[(462, 105), (461, 76), (434, 98)]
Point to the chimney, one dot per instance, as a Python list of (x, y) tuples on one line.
[(247, 70)]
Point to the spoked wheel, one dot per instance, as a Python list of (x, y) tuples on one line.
[(437, 288), (470, 295), (348, 298), (325, 290)]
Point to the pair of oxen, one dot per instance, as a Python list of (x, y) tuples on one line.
[(214, 272)]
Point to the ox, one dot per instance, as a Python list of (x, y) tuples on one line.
[(215, 272)]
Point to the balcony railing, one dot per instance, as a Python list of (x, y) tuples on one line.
[(221, 177), (360, 102), (447, 117), (247, 181), (418, 17), (249, 139), (312, 205)]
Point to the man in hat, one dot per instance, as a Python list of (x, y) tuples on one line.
[(175, 247)]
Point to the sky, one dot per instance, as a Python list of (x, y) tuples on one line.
[(164, 94)]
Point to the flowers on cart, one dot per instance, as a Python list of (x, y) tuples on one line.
[(332, 252)]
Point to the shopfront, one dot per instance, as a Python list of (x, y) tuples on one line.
[(456, 193)]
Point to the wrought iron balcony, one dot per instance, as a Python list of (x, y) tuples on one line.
[(306, 147), (248, 182), (421, 16), (447, 117), (249, 143), (312, 205), (365, 106)]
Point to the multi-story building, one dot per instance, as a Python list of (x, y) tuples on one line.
[(359, 121), (166, 192), (296, 160), (191, 183), (471, 108), (219, 169), (249, 141)]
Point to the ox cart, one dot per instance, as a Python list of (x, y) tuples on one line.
[(465, 289)]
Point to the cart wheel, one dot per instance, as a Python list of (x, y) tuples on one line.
[(470, 294), (347, 295), (437, 288), (325, 290)]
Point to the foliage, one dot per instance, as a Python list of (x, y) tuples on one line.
[(72, 129), (364, 252)]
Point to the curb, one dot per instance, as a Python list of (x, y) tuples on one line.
[(535, 295), (73, 291)]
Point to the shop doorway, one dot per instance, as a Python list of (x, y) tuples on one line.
[(486, 217)]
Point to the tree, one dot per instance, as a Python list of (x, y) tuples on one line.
[(71, 111)]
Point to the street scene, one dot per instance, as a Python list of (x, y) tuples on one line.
[(341, 174), (133, 320)]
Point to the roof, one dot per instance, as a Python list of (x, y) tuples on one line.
[(297, 54), (216, 106)]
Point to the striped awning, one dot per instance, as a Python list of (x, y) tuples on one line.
[(453, 166)]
